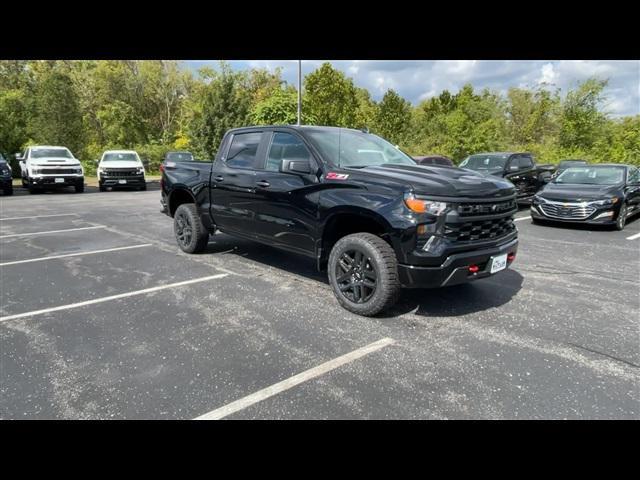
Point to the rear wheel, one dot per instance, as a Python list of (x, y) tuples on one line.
[(363, 272), (191, 235), (622, 217)]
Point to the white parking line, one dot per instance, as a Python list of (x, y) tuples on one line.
[(92, 252), (40, 216), (633, 237), (52, 231), (295, 380), (112, 297), (520, 218)]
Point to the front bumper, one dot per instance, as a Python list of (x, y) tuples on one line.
[(455, 269), (124, 181), (603, 215), (49, 181)]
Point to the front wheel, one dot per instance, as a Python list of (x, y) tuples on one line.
[(8, 191), (79, 188), (363, 272), (622, 218), (191, 235)]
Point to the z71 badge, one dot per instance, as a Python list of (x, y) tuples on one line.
[(336, 176)]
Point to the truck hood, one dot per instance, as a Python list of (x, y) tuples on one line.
[(52, 161), (445, 181), (120, 164), (578, 193)]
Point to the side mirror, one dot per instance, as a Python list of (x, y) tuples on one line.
[(295, 166), (97, 162), (145, 163), (18, 156)]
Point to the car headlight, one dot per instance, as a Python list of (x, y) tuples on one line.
[(420, 205), (538, 198), (608, 201), (140, 170)]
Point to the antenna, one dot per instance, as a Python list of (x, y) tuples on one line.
[(299, 92)]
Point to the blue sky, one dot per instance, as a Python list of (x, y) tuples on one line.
[(416, 80)]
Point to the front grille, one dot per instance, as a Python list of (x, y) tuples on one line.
[(58, 171), (121, 172), (567, 211), (488, 208), (480, 230)]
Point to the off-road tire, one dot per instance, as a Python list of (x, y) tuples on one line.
[(381, 260), (190, 234)]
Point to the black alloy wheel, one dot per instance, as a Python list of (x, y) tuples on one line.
[(356, 276)]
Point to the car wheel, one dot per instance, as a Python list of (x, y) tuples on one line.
[(103, 188), (79, 188), (622, 217), (363, 272), (144, 187), (33, 189), (8, 191), (191, 235)]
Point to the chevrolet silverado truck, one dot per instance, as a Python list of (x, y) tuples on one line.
[(48, 167), (519, 168), (353, 203), (121, 168)]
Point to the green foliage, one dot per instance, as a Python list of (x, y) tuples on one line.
[(331, 96), (281, 108), (392, 118), (154, 106)]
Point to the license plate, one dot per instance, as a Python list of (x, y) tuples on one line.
[(59, 180), (122, 181), (499, 263)]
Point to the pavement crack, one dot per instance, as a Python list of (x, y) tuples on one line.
[(617, 359)]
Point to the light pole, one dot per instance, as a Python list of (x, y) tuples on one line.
[(299, 92)]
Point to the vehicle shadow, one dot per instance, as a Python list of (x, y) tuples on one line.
[(456, 300), (21, 191)]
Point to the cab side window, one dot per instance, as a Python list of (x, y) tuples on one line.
[(523, 162), (243, 150), (634, 175), (285, 146)]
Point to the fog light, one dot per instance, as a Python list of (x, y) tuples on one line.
[(474, 269), (605, 214)]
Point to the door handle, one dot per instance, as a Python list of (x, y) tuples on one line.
[(218, 178), (263, 184)]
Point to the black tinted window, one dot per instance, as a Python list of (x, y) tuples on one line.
[(522, 162), (179, 157), (243, 150), (285, 146), (634, 175)]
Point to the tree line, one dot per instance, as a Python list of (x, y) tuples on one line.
[(154, 106)]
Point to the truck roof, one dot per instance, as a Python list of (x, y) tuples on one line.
[(36, 147), (120, 151), (293, 127)]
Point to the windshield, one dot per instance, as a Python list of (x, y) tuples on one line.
[(1, 158), (347, 148), (120, 157), (591, 176), (179, 157), (485, 162), (50, 152)]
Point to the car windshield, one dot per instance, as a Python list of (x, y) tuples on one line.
[(348, 148), (50, 152), (179, 157), (1, 158), (485, 162), (120, 157), (591, 176)]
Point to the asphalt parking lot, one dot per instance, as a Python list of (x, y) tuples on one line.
[(102, 317)]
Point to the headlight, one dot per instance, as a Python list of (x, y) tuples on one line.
[(538, 198), (100, 171), (419, 205), (140, 170), (608, 201)]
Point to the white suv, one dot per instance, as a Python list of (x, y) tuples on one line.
[(43, 167), (121, 168)]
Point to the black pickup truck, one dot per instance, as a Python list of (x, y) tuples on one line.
[(519, 168), (351, 201)]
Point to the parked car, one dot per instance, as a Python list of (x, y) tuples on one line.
[(375, 222), (121, 168), (434, 160), (6, 179), (564, 164), (50, 167), (596, 194)]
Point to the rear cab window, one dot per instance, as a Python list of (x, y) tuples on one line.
[(243, 150)]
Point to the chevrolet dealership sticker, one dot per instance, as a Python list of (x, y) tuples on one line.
[(336, 176)]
